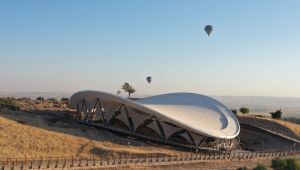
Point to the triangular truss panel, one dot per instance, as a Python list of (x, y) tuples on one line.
[(186, 136), (197, 138), (137, 118), (154, 126), (169, 129), (109, 109), (122, 116), (98, 111)]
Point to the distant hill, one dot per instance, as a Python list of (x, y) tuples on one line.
[(34, 95), (257, 105), (263, 105)]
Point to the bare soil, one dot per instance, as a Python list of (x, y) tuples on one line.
[(42, 130)]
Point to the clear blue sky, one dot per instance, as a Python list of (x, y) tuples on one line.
[(67, 45)]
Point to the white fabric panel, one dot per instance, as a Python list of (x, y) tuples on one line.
[(194, 112), (137, 119), (197, 138), (153, 125), (168, 129)]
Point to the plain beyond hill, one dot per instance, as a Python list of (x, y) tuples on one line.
[(257, 105)]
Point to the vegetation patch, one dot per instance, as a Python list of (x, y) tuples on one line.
[(244, 110), (260, 167), (9, 103), (277, 114), (287, 164)]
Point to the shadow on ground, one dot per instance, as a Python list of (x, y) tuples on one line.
[(59, 121)]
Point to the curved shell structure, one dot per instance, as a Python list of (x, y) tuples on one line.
[(200, 120)]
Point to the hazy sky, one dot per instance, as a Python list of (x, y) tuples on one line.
[(68, 45)]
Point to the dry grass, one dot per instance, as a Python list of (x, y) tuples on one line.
[(24, 134), (29, 135)]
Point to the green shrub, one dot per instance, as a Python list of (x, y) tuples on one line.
[(278, 164), (292, 164), (24, 98), (52, 99), (288, 164), (9, 103), (244, 110), (277, 114), (260, 167), (64, 99)]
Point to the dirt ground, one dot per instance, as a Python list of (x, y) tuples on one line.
[(48, 133), (24, 134)]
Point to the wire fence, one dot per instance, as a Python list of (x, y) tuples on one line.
[(129, 160)]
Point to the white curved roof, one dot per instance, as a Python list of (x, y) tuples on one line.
[(197, 113)]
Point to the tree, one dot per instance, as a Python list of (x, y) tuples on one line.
[(277, 114), (126, 87), (244, 110)]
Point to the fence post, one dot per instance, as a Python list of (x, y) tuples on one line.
[(65, 162), (40, 163), (22, 165), (30, 167), (56, 163), (48, 165)]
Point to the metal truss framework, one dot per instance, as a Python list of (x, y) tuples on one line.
[(88, 113)]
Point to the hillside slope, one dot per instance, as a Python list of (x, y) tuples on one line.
[(25, 134)]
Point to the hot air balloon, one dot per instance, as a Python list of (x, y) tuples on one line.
[(208, 29), (149, 79)]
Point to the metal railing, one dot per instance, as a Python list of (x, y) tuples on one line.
[(128, 160)]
